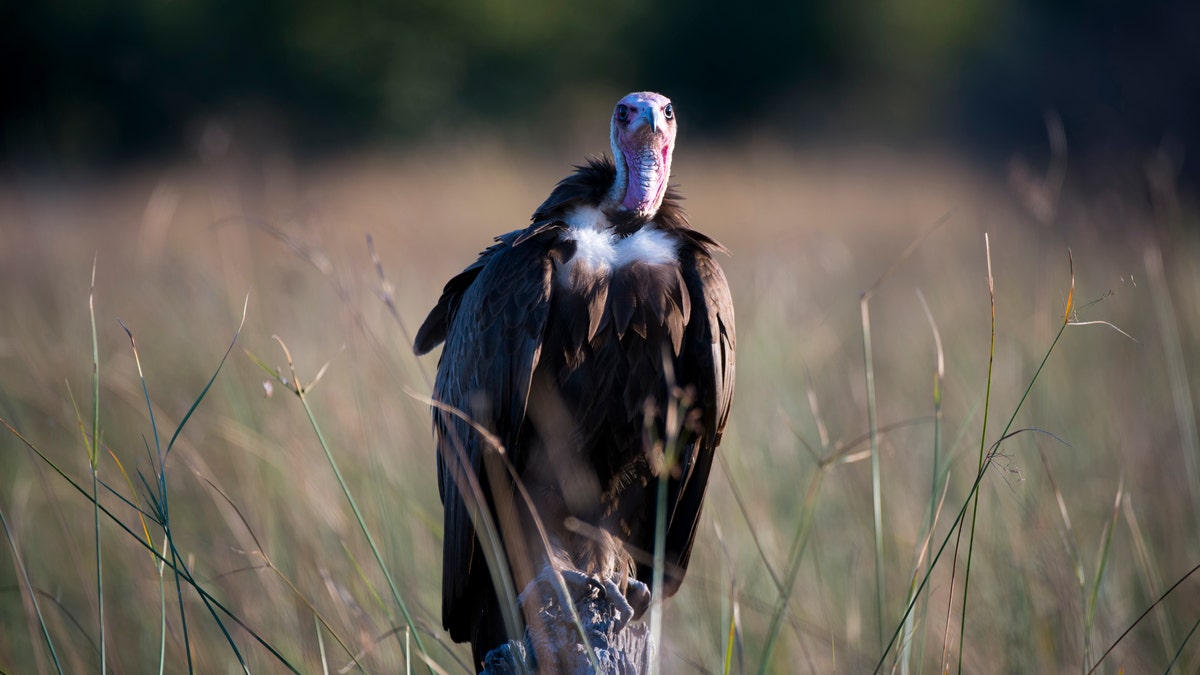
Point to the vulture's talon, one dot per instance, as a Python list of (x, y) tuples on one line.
[(599, 592)]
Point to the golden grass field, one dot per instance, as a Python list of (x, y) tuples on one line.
[(1083, 521)]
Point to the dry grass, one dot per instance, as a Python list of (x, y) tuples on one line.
[(259, 518)]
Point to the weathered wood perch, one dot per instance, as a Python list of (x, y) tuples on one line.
[(553, 643)]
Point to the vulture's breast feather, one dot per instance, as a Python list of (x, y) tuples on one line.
[(595, 252), (631, 283)]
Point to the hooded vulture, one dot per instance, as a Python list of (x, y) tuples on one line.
[(588, 357)]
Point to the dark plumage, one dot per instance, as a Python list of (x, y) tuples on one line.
[(582, 345)]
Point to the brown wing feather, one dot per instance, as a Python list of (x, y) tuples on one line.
[(708, 350), (433, 330), (492, 316)]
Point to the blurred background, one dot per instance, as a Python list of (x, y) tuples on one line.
[(173, 164), (98, 82)]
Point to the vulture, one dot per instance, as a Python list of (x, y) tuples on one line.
[(588, 358)]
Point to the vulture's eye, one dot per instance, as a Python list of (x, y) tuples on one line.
[(669, 112), (622, 112)]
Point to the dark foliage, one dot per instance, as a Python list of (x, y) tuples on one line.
[(91, 81)]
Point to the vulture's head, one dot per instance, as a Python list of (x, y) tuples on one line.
[(643, 137)]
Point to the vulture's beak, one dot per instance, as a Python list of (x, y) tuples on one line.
[(653, 119)]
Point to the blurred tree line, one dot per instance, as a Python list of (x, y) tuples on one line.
[(99, 80)]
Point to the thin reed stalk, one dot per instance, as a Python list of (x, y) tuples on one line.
[(32, 593), (987, 398), (954, 527), (934, 509), (876, 481), (301, 392), (93, 450), (795, 555)]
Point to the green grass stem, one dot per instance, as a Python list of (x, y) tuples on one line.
[(876, 481), (1098, 575), (182, 573), (1179, 652), (987, 398), (301, 392), (161, 498), (986, 461), (795, 555), (31, 591), (872, 420), (1148, 565), (1143, 615), (93, 458), (935, 503)]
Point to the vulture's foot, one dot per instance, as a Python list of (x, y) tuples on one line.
[(597, 591), (553, 642), (638, 595)]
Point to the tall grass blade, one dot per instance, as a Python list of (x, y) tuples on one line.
[(660, 551), (1148, 565), (321, 645), (162, 494), (1068, 532), (1071, 545), (301, 392), (751, 527), (270, 564), (876, 482), (1143, 615), (181, 572), (872, 424), (799, 541), (1179, 652), (939, 378), (211, 610), (162, 614), (208, 385), (93, 458), (162, 589), (733, 638), (670, 459), (954, 527), (20, 565), (159, 500), (962, 628), (1098, 576), (162, 597)]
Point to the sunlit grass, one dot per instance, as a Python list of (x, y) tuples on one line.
[(284, 527)]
